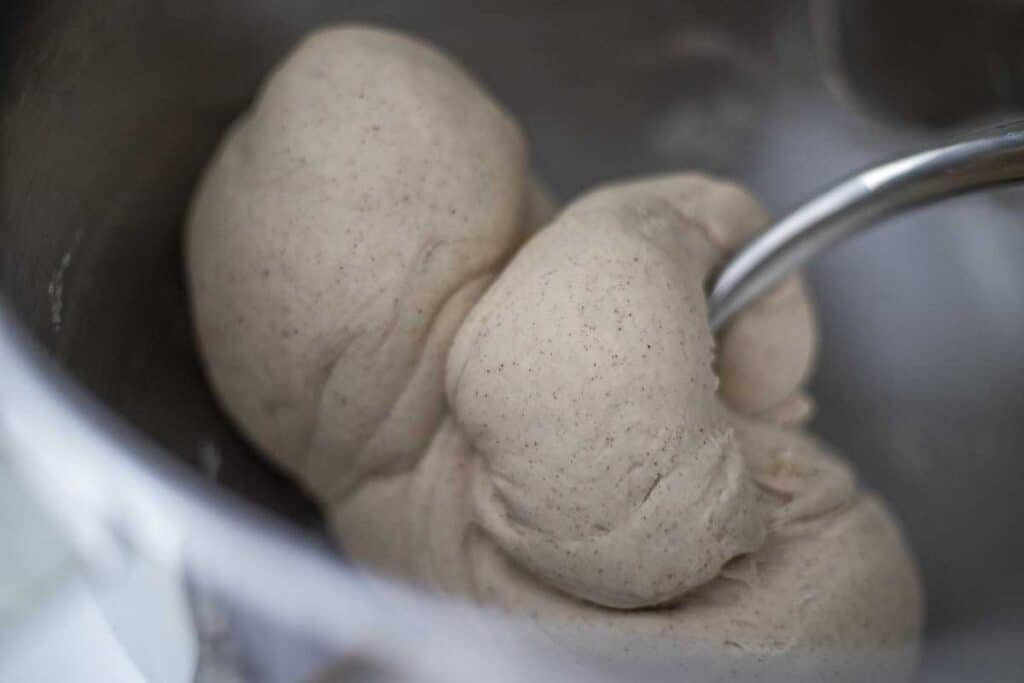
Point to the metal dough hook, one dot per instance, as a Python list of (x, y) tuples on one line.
[(989, 157)]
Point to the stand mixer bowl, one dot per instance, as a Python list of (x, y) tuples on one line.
[(110, 110)]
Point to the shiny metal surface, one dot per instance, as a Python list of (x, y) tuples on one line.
[(271, 604), (988, 158), (111, 107)]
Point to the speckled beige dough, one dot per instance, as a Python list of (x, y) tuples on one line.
[(543, 427)]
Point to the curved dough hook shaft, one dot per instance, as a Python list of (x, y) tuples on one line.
[(990, 157)]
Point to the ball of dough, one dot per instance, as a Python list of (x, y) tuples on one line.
[(552, 428), (338, 237), (584, 380), (608, 471)]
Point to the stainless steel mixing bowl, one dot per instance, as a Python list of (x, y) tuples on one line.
[(111, 107)]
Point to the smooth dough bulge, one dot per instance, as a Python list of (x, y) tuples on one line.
[(341, 232), (524, 409)]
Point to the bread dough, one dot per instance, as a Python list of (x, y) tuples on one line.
[(542, 426)]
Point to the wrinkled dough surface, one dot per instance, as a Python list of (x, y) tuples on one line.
[(838, 602), (339, 236)]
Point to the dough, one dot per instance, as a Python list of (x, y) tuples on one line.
[(345, 226), (545, 426)]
